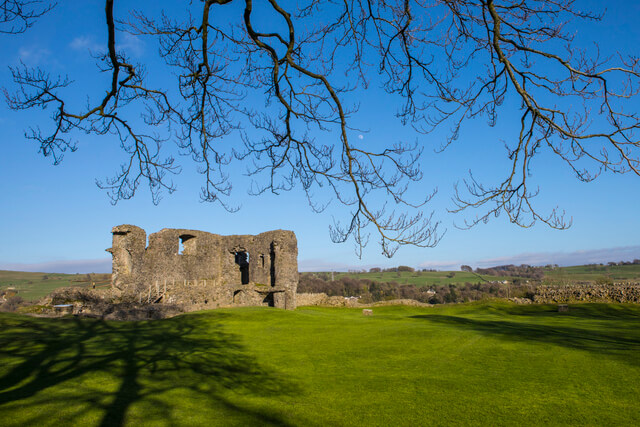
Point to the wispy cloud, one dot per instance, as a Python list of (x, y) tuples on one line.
[(591, 256), (33, 56), (131, 45), (442, 265), (86, 43), (317, 264), (69, 266)]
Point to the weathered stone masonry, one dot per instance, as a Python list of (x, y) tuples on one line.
[(200, 268)]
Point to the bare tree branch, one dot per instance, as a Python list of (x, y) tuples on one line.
[(448, 62), (16, 16)]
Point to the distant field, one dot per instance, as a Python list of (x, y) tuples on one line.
[(492, 364), (591, 273), (32, 286), (560, 275), (423, 278)]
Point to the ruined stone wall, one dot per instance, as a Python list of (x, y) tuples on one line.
[(312, 299), (619, 292), (196, 267)]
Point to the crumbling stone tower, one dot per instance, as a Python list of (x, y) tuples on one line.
[(200, 268)]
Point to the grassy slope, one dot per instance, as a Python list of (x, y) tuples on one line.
[(490, 364), (32, 286)]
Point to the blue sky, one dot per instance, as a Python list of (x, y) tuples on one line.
[(54, 218)]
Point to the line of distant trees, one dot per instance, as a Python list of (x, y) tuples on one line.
[(634, 262), (371, 291), (510, 270)]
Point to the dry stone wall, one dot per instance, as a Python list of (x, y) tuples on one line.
[(312, 299), (619, 292), (198, 268), (322, 299)]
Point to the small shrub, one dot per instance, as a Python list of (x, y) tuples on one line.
[(436, 299), (12, 303)]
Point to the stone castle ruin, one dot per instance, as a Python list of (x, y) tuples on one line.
[(206, 270)]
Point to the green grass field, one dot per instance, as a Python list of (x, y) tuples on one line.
[(32, 286), (468, 364)]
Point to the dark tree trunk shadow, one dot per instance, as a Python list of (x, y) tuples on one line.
[(190, 353)]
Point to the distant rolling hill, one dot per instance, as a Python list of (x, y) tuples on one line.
[(550, 275), (32, 286)]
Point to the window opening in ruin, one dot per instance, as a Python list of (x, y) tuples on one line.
[(186, 244), (235, 296), (242, 259), (262, 260), (272, 256), (268, 300)]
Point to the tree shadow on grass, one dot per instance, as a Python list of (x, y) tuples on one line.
[(587, 311), (85, 365), (619, 336)]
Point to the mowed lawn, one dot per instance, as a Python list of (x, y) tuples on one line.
[(468, 364)]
